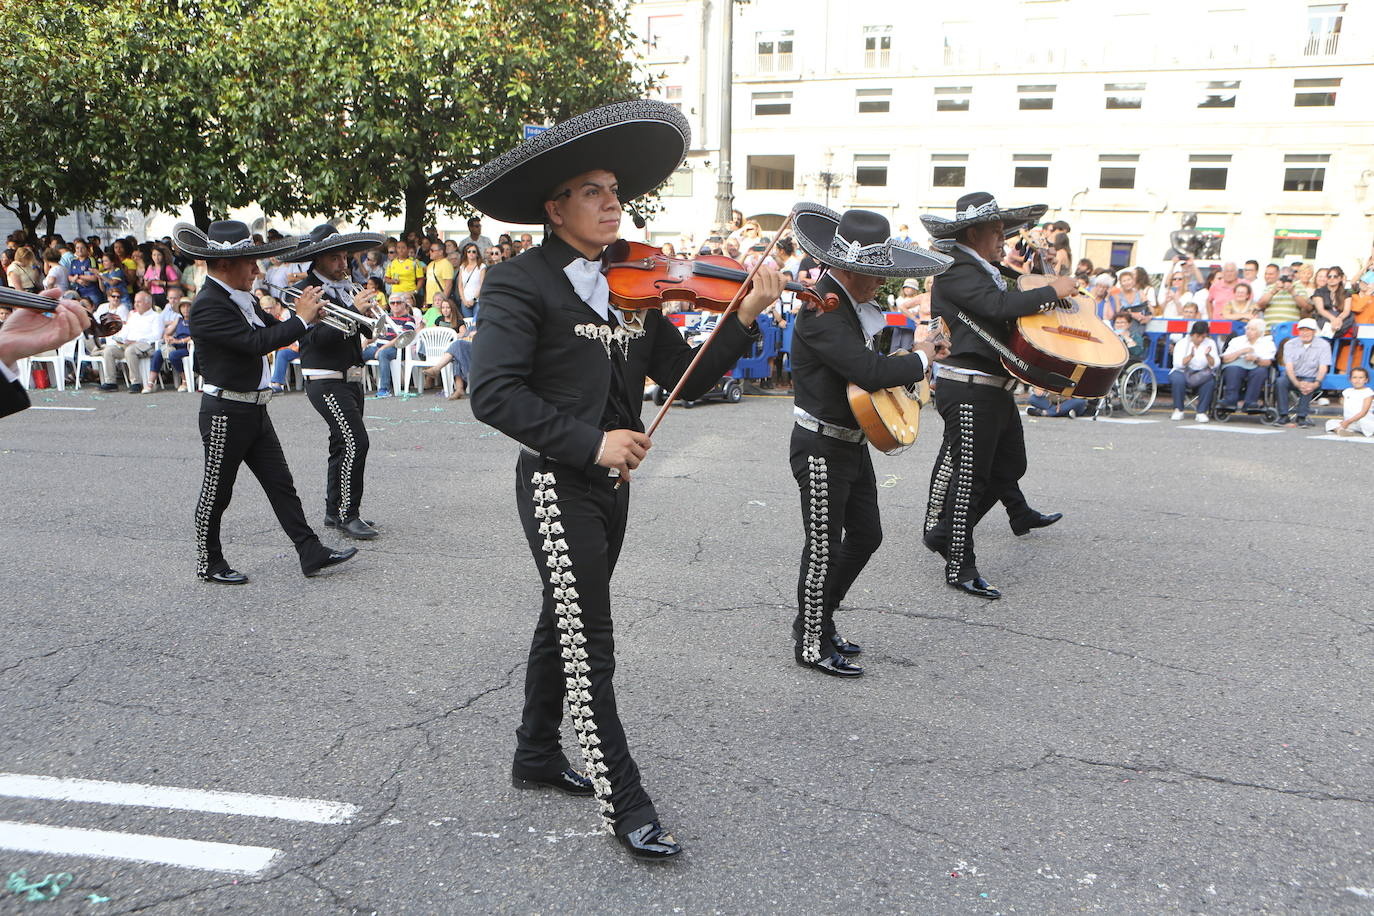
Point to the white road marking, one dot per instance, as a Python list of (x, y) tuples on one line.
[(101, 792), (1243, 430), (1332, 437), (62, 408), (1122, 420), (136, 847)]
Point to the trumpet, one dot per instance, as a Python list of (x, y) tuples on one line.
[(339, 317)]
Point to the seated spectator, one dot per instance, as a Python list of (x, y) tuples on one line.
[(55, 276), (1306, 360), (113, 304), (383, 349), (1084, 270), (112, 278), (1285, 300), (1241, 306), (1100, 288), (1176, 297), (176, 341), (139, 337), (1335, 311), (1195, 363), (1131, 299), (444, 314), (1246, 363), (1221, 286), (1131, 335), (1356, 417), (23, 272), (1041, 405), (460, 354)]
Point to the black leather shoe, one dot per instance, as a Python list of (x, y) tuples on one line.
[(332, 558), (835, 665), (332, 521), (226, 577), (569, 782), (358, 529), (977, 586), (1024, 524), (844, 646), (650, 842)]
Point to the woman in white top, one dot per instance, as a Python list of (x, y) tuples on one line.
[(1195, 363), (471, 273), (1356, 416), (1247, 360), (1175, 296)]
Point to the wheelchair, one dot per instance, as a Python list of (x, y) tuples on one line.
[(1133, 393), (1267, 412)]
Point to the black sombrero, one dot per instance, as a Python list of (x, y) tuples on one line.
[(861, 241), (326, 239), (641, 142), (227, 238), (981, 207)]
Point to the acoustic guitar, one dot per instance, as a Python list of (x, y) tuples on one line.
[(891, 417), (1073, 343)]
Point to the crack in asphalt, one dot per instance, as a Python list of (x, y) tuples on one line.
[(422, 724), (50, 654), (984, 624), (1313, 794)]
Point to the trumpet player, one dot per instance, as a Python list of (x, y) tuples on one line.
[(233, 337), (332, 363)]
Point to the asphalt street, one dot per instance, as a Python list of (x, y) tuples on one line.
[(1170, 711)]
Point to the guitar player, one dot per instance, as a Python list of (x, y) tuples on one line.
[(832, 347), (983, 454)]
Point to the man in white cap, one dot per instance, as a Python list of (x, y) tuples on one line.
[(1306, 360)]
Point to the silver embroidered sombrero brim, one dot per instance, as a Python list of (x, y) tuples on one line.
[(1013, 219), (347, 242), (641, 142), (817, 230), (235, 242)]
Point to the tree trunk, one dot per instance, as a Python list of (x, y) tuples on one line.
[(51, 220), (28, 219), (200, 213), (417, 204)]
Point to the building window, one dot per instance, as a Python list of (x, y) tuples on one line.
[(877, 47), (1219, 94), (771, 173), (679, 184), (1324, 27), (1030, 170), (663, 38), (870, 171), (1208, 172), (874, 101), (673, 96), (952, 98), (1124, 95), (1117, 170), (772, 103), (1296, 243), (774, 51), (1317, 93), (948, 170), (1036, 97), (1305, 172)]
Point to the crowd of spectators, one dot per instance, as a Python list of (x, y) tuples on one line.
[(422, 280)]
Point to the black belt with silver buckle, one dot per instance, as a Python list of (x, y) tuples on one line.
[(843, 433), (995, 381), (246, 397)]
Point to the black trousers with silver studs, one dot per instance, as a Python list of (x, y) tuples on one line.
[(340, 403), (574, 521), (842, 526), (982, 457)]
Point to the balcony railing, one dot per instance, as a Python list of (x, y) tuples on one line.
[(1322, 43)]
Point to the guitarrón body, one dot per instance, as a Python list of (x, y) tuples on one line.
[(1074, 343)]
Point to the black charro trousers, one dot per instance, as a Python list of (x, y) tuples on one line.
[(340, 403)]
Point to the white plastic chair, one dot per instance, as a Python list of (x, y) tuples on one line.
[(435, 342), (58, 362), (84, 356), (371, 368), (188, 372)]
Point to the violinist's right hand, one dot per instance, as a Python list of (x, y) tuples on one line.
[(623, 450)]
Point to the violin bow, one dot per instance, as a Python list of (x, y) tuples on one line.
[(720, 323)]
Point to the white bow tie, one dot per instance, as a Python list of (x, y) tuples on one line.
[(590, 285), (244, 300)]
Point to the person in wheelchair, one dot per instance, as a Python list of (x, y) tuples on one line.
[(1042, 404), (1128, 329), (1195, 364), (1245, 364)]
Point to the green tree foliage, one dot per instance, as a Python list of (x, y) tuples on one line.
[(382, 107)]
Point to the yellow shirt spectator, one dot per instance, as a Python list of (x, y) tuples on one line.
[(404, 273), (438, 277)]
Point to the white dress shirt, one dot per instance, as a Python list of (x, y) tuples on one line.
[(244, 300), (142, 327)]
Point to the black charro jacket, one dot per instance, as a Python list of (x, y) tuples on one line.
[(324, 347), (830, 350), (229, 350), (13, 398), (542, 375), (966, 285)]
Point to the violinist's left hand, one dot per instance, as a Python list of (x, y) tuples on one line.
[(766, 289)]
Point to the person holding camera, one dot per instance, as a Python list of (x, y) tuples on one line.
[(1285, 300)]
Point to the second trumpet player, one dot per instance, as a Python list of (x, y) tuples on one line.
[(331, 357)]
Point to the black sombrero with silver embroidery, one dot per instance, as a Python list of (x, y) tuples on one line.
[(326, 239), (641, 142), (981, 207), (861, 241), (227, 238)]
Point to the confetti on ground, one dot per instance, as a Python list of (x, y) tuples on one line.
[(37, 891)]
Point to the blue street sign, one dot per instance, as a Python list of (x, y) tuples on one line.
[(533, 130)]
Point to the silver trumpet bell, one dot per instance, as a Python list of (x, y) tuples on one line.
[(339, 317)]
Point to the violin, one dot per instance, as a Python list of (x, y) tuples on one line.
[(642, 277), (107, 325)]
